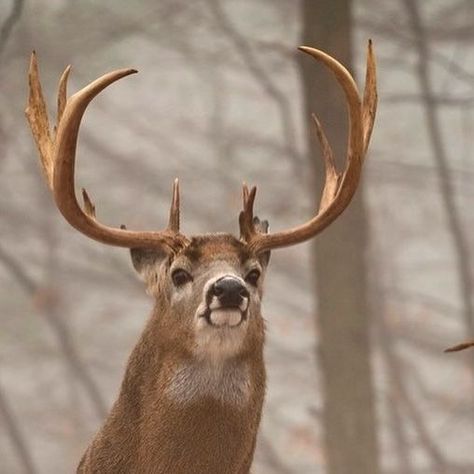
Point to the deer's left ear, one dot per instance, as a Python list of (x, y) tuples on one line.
[(262, 226), (145, 260)]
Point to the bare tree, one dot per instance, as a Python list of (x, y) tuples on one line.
[(343, 314)]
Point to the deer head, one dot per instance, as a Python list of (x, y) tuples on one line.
[(196, 380), (209, 296)]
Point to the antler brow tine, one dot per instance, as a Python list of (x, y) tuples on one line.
[(173, 223), (246, 219), (62, 93)]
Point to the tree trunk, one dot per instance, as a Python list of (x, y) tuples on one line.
[(343, 315)]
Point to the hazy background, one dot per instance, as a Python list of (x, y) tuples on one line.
[(357, 320)]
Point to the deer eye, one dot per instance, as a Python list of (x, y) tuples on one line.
[(180, 277), (252, 277)]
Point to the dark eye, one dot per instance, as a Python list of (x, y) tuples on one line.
[(180, 277), (252, 277)]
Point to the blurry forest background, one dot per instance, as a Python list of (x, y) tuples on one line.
[(357, 319)]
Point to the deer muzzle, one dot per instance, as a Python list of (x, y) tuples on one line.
[(227, 301)]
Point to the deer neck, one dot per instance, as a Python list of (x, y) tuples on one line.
[(180, 378), (175, 409), (159, 366)]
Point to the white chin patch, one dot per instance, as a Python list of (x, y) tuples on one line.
[(225, 317)]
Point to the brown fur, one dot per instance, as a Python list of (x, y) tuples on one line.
[(150, 430)]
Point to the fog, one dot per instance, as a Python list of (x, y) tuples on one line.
[(220, 98)]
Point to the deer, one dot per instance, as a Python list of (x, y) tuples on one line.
[(192, 395)]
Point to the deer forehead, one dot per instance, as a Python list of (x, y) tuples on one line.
[(215, 253)]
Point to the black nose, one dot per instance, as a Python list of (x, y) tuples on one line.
[(229, 291)]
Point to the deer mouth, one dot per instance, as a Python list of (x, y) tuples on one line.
[(226, 302), (225, 316)]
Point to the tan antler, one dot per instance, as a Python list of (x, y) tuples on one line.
[(460, 347), (339, 187), (57, 151)]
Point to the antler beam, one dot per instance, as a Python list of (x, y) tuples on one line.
[(57, 151), (339, 187)]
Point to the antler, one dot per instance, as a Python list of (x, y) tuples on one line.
[(57, 151), (460, 347), (339, 187)]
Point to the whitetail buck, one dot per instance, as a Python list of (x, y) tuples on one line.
[(192, 395)]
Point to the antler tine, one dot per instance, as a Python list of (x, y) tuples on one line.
[(58, 160), (331, 184), (460, 347), (369, 106), (62, 94), (245, 194), (89, 206), (339, 188), (37, 116), (246, 219), (173, 222)]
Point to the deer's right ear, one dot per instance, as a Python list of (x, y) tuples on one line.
[(145, 259)]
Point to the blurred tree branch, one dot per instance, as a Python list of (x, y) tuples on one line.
[(461, 102), (390, 31), (11, 20), (435, 131), (18, 440), (399, 394), (46, 301), (264, 79)]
